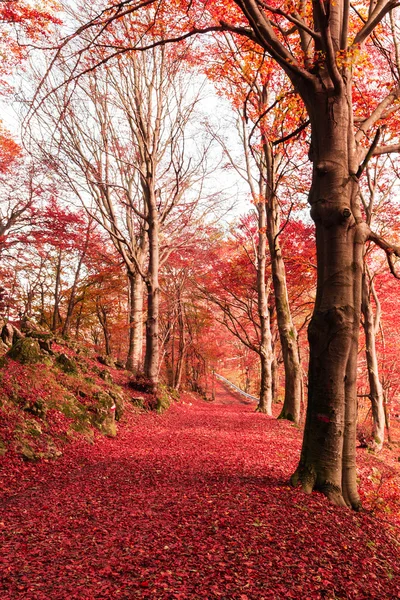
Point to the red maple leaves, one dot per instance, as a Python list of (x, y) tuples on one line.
[(192, 504)]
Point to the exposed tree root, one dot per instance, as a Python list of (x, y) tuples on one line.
[(263, 409), (307, 479), (284, 414)]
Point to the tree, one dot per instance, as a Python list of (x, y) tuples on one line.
[(318, 49), (268, 113), (321, 47), (132, 158)]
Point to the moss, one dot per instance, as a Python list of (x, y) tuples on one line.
[(165, 397), (118, 398), (27, 452), (106, 376), (41, 335), (37, 408), (25, 351), (66, 364)]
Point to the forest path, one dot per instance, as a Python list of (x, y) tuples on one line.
[(192, 504)]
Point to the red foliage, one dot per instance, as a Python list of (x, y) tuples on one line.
[(192, 504)]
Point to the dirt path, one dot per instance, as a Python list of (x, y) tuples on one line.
[(191, 504)]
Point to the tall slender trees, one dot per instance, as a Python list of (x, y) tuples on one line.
[(132, 154), (321, 47)]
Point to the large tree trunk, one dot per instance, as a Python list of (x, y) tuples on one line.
[(287, 330), (265, 352), (375, 386), (134, 358), (151, 364), (328, 454)]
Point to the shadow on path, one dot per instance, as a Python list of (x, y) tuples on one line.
[(192, 504)]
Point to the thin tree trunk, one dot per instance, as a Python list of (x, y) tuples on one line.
[(151, 364), (56, 311), (375, 386), (79, 317), (103, 320), (135, 348), (287, 330), (266, 353), (181, 341), (72, 297)]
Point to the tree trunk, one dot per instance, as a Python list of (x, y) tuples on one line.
[(327, 459), (72, 298), (134, 358), (265, 352), (265, 402), (181, 341), (287, 330), (103, 320), (56, 311), (375, 386), (151, 364)]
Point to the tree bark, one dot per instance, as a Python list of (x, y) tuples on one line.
[(286, 327), (56, 310), (72, 297), (134, 357), (265, 350), (151, 364), (375, 386), (103, 320), (181, 341), (327, 459)]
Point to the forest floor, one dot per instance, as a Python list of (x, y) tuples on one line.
[(191, 504)]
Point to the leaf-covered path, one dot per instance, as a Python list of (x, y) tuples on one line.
[(191, 504)]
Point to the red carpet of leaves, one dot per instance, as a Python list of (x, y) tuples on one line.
[(191, 504)]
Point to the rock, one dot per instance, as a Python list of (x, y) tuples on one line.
[(27, 326), (28, 453), (109, 427), (25, 351), (7, 334), (45, 339), (119, 403), (37, 408), (46, 346), (104, 413), (137, 401), (106, 360), (106, 376), (17, 335), (66, 364)]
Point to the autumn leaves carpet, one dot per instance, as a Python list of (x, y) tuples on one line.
[(191, 504)]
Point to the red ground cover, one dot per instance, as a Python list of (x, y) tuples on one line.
[(190, 504)]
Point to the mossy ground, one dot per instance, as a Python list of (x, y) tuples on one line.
[(46, 403)]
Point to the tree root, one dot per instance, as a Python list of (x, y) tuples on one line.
[(284, 414), (307, 479), (263, 409)]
